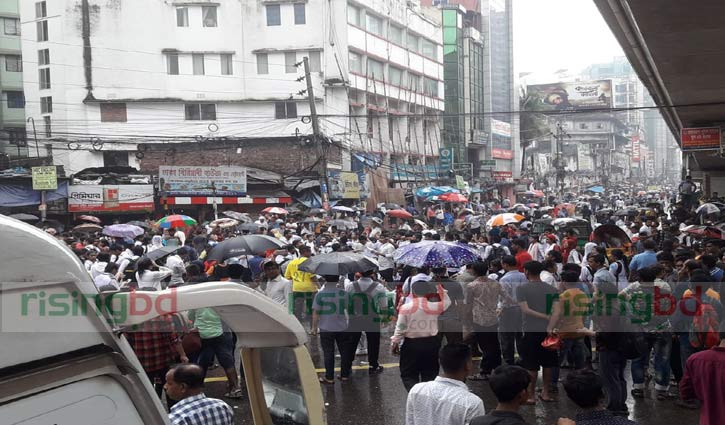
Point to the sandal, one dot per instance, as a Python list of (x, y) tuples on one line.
[(343, 378), (326, 381), (235, 393)]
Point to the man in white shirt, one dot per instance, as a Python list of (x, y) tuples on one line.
[(181, 236), (278, 288), (385, 258), (447, 399)]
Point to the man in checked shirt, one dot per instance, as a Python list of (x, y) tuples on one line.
[(158, 347)]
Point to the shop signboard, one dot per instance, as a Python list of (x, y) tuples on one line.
[(700, 139), (202, 181), (44, 178), (110, 198)]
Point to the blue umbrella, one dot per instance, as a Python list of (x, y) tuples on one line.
[(425, 192), (436, 254)]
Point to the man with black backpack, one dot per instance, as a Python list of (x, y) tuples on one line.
[(368, 304), (127, 265)]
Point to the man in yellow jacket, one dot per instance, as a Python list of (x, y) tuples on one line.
[(304, 286)]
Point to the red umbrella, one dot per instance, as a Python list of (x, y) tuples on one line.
[(90, 218), (399, 214), (453, 197), (275, 210)]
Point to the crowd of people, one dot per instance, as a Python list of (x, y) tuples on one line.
[(531, 302)]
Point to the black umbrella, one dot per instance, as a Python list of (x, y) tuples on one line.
[(162, 252), (55, 224), (244, 245), (249, 227), (338, 264), (243, 217), (312, 220), (24, 217), (138, 223), (626, 211)]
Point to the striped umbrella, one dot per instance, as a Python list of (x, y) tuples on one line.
[(436, 254), (275, 210), (504, 219), (176, 220)]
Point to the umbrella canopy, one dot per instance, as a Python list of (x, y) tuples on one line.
[(250, 227), (421, 223), (436, 254), (452, 197), (343, 208), (708, 208), (315, 211), (389, 206), (534, 193), (338, 263), (138, 223), (310, 220), (626, 211), (24, 217), (55, 224), (90, 219), (425, 192), (596, 189), (176, 220), (123, 231), (520, 208), (243, 217), (641, 193), (399, 214), (244, 245), (224, 223), (564, 220), (342, 224), (504, 219), (88, 228), (162, 252), (275, 210)]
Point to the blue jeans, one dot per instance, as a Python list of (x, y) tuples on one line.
[(686, 350), (578, 355), (659, 342)]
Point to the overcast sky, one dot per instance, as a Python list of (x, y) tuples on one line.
[(550, 35)]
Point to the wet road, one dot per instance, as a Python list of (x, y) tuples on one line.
[(380, 399)]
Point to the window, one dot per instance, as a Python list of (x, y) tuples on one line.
[(41, 11), (354, 62), (353, 15), (200, 111), (315, 62), (395, 76), (115, 159), (16, 100), (208, 16), (396, 35), (273, 15), (198, 61), (173, 64), (12, 26), (375, 70), (46, 122), (44, 78), (13, 63), (413, 82), (285, 110), (46, 105), (43, 57), (290, 58), (42, 30), (182, 16), (583, 126), (300, 14), (262, 63), (431, 87), (413, 43), (429, 49), (227, 64), (373, 24), (113, 112)]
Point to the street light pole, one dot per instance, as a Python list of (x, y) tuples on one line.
[(35, 136)]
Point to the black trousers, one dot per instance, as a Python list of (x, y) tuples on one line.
[(328, 340), (487, 340), (419, 360), (451, 330), (611, 369), (510, 335), (373, 339)]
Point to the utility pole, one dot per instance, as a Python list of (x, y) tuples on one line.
[(559, 161), (317, 138)]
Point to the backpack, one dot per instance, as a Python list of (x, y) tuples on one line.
[(497, 252), (363, 314), (129, 273), (704, 331)]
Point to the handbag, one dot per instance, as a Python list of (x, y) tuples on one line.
[(552, 342), (190, 340)]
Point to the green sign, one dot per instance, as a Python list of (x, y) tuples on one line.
[(44, 178), (460, 183), (488, 163), (445, 159)]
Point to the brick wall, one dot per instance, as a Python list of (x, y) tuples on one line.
[(284, 156)]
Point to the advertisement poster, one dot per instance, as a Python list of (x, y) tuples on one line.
[(107, 198), (497, 153), (44, 178), (636, 152), (345, 185), (580, 95), (500, 128), (701, 139), (203, 181)]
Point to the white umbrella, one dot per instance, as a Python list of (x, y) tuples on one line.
[(421, 223), (343, 208), (707, 209), (504, 219), (224, 223)]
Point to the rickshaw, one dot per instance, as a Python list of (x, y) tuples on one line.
[(612, 237), (582, 228)]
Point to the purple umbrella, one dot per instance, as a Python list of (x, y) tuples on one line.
[(123, 231), (436, 254)]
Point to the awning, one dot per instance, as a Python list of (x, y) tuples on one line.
[(225, 200), (21, 193)]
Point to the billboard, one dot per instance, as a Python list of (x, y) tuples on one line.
[(577, 96), (502, 153), (107, 198), (636, 152), (347, 185), (700, 139), (501, 128), (203, 181)]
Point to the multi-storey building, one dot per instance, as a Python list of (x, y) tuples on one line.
[(144, 83), (12, 112)]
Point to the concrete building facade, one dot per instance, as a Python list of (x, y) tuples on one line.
[(13, 141)]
